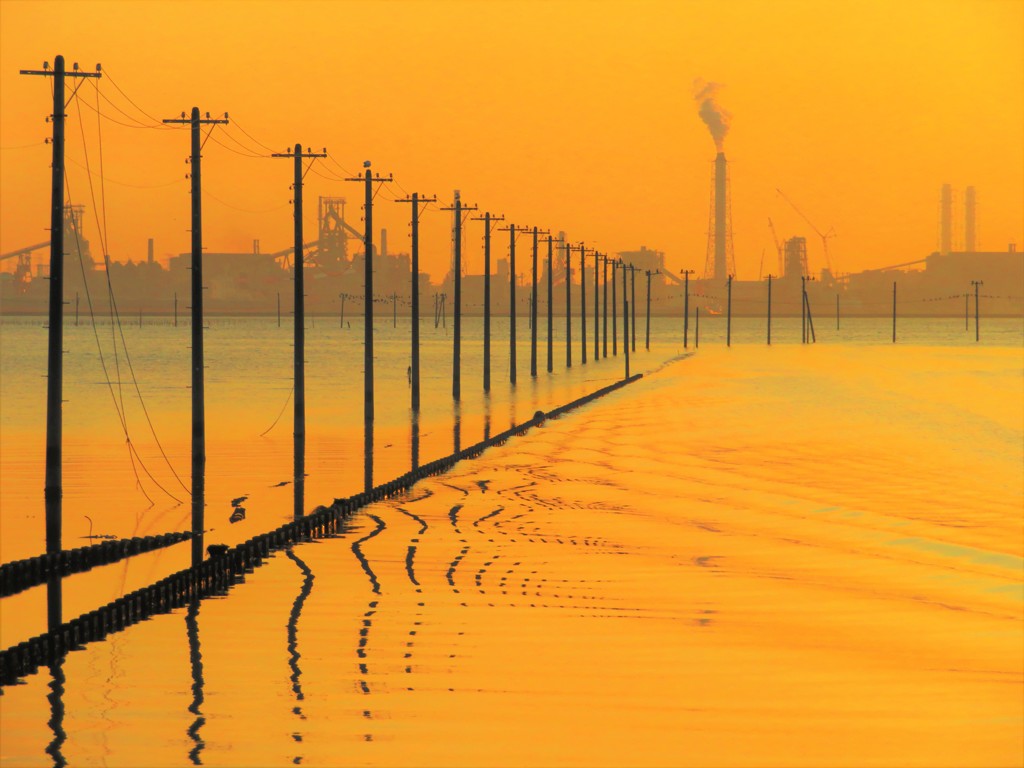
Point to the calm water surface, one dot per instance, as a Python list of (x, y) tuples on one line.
[(847, 486)]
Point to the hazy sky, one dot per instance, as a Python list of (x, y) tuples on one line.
[(571, 115)]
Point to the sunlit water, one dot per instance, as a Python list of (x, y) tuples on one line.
[(786, 555)]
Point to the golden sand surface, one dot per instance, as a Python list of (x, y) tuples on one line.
[(785, 557)]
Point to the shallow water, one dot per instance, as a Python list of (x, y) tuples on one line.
[(786, 555)]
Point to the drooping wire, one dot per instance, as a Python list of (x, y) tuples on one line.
[(235, 123), (279, 415), (156, 122), (141, 124), (115, 318)]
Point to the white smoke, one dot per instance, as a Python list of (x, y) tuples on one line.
[(716, 118)]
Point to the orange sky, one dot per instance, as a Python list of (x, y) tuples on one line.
[(571, 115)]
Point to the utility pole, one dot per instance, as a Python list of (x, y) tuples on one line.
[(511, 229), (967, 311), (297, 156), (803, 310), (341, 312), (583, 303), (551, 315), (686, 306), (625, 318), (604, 312), (649, 273), (533, 308), (597, 309), (770, 276), (76, 309), (53, 489), (810, 317), (728, 313), (457, 208), (837, 311), (976, 284), (195, 122), (696, 328), (487, 218), (368, 179), (414, 380), (279, 309), (568, 308), (175, 309), (615, 312), (394, 310), (632, 303)]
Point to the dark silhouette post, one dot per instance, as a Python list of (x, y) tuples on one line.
[(893, 311), (604, 312), (728, 313), (76, 308), (967, 311), (487, 218), (53, 488), (770, 276), (297, 156), (696, 328), (648, 329), (837, 311), (568, 307), (597, 309), (625, 318), (803, 310), (810, 318), (175, 309), (615, 312), (457, 208), (414, 372), (533, 311), (279, 309), (198, 365), (976, 284), (368, 178), (551, 315), (583, 304), (511, 228), (632, 304), (686, 306)]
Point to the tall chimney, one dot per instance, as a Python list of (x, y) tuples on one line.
[(721, 270), (946, 220), (149, 251), (969, 209)]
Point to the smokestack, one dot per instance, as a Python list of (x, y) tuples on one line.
[(969, 209), (149, 252), (946, 220), (383, 243), (721, 270)]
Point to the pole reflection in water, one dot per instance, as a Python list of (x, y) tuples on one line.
[(414, 439), (293, 641), (54, 599), (367, 455), (198, 502), (56, 722), (299, 479), (487, 417), (195, 656), (457, 428)]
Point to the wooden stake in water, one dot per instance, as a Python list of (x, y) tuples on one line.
[(976, 284), (696, 328), (837, 311), (175, 309), (728, 313), (770, 276), (76, 309), (278, 309), (894, 312)]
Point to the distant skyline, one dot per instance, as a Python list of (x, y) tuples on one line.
[(571, 115)]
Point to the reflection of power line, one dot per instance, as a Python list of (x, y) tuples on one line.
[(293, 622), (195, 656)]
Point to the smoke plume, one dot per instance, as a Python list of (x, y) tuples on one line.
[(716, 118)]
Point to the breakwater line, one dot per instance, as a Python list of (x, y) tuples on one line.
[(221, 571)]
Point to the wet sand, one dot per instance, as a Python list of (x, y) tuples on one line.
[(780, 557)]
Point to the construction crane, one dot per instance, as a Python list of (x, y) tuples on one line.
[(778, 247), (823, 235)]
